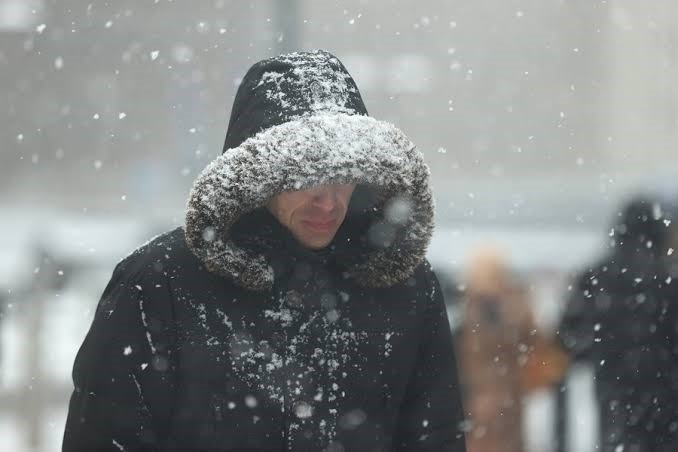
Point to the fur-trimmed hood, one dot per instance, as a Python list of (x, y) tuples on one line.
[(298, 121)]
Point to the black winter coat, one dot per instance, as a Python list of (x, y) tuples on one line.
[(181, 359), (621, 318), (225, 335)]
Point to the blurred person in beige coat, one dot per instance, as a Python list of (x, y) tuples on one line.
[(501, 355)]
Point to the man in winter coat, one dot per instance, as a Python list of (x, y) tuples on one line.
[(620, 319), (294, 310)]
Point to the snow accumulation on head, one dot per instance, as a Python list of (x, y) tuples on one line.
[(315, 83)]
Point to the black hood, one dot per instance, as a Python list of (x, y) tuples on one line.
[(284, 88), (298, 120), (642, 227)]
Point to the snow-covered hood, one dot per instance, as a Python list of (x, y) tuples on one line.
[(324, 138)]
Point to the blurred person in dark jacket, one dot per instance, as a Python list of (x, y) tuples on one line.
[(619, 318), (295, 309)]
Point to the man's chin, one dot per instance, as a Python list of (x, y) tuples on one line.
[(316, 246), (315, 243)]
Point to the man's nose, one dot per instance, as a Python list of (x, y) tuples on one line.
[(324, 198)]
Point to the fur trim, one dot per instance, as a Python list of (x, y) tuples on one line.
[(313, 150)]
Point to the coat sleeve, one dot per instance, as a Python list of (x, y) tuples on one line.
[(576, 326), (123, 370), (431, 416)]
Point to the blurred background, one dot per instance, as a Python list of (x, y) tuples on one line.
[(538, 119)]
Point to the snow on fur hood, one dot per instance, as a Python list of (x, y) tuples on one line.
[(298, 120)]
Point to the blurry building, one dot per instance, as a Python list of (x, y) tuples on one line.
[(528, 111)]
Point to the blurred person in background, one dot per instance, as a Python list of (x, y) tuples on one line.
[(501, 354), (620, 318), (295, 309)]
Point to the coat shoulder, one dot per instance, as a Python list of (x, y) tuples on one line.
[(140, 281), (164, 254)]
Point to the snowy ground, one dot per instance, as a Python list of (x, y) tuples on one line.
[(95, 247)]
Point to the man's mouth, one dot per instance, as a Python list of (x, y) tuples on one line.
[(320, 226)]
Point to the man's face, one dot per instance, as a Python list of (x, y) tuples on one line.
[(313, 216)]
